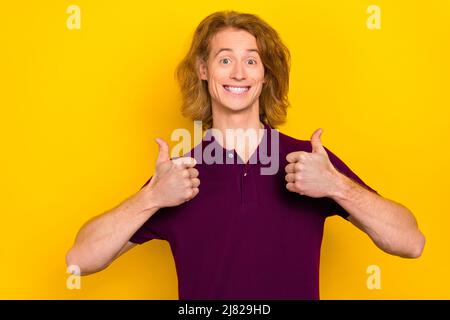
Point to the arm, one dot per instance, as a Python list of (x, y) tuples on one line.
[(390, 225), (104, 238)]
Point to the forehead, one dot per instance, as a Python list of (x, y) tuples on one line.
[(233, 38)]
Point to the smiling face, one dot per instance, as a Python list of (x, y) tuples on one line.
[(234, 71)]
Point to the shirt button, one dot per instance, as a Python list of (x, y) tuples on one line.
[(230, 155)]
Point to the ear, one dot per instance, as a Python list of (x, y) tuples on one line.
[(202, 69), (265, 74)]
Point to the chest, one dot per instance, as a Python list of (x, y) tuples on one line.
[(237, 202)]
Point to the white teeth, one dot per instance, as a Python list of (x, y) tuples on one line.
[(236, 89)]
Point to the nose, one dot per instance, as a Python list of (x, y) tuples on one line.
[(238, 72)]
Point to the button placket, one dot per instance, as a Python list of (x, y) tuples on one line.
[(243, 188), (245, 181)]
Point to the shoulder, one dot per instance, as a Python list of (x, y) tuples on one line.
[(289, 144)]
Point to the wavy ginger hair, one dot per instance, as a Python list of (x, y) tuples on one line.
[(275, 56)]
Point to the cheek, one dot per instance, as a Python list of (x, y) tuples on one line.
[(258, 76), (214, 84), (218, 74)]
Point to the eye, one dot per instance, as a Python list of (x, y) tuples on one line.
[(253, 61), (225, 61)]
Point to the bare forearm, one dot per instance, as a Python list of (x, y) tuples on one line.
[(389, 224), (101, 238)]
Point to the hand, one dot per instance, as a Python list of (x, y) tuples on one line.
[(311, 174), (174, 181)]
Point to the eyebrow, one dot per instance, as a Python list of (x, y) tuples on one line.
[(229, 49)]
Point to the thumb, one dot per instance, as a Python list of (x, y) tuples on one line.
[(316, 143), (163, 154)]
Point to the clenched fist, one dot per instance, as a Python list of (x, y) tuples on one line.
[(174, 181), (311, 174)]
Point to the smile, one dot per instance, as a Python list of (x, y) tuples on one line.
[(236, 89)]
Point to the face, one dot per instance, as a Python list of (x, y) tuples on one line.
[(234, 71)]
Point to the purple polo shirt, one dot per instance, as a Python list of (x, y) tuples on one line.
[(245, 236)]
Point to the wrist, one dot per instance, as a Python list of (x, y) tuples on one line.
[(146, 200), (341, 186)]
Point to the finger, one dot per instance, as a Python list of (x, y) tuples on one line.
[(290, 168), (292, 157), (193, 173), (316, 143), (290, 186), (290, 177), (184, 172), (296, 156), (185, 162), (194, 192), (163, 154), (195, 182)]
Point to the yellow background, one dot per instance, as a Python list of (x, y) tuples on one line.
[(80, 110)]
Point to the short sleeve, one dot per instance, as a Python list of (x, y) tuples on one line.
[(151, 229), (332, 207)]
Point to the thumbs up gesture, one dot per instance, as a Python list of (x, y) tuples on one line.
[(174, 181), (311, 174)]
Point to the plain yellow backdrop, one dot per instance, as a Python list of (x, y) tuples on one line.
[(80, 110)]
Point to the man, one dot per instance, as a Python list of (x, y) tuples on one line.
[(246, 235)]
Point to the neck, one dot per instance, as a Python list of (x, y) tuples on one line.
[(223, 124), (224, 118), (246, 146)]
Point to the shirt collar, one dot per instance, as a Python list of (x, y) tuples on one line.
[(264, 145)]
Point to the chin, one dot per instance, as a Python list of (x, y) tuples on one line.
[(236, 108), (235, 105)]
